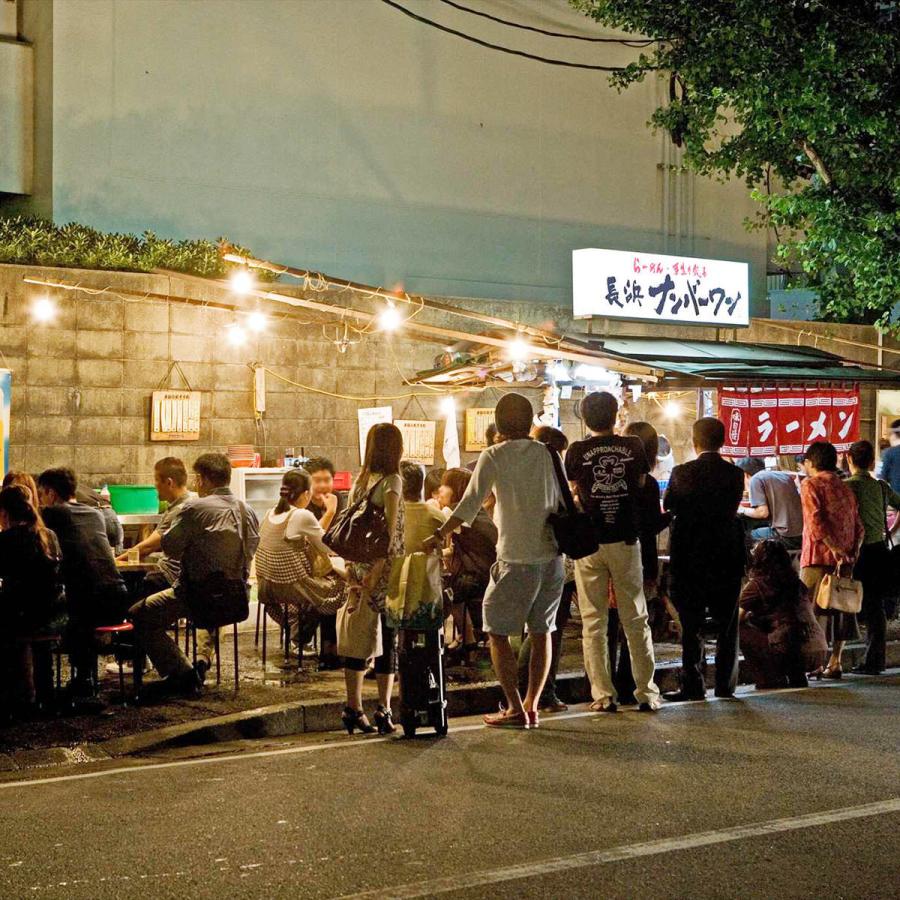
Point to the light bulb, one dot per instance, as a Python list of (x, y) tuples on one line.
[(389, 319), (672, 410), (517, 350), (43, 310), (448, 406), (236, 335), (257, 321), (241, 281)]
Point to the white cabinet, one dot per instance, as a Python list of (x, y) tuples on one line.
[(257, 487)]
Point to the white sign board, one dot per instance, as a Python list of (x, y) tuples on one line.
[(418, 441), (620, 284), (367, 418)]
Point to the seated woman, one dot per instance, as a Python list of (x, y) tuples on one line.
[(32, 597), (779, 635), (292, 564)]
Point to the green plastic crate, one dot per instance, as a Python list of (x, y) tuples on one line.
[(134, 499)]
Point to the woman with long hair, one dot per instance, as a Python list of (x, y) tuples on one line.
[(32, 595), (290, 556), (779, 635), (832, 535), (380, 481), (25, 480)]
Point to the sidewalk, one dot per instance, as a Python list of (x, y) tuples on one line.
[(274, 702)]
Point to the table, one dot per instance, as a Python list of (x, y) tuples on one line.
[(145, 523), (137, 568)]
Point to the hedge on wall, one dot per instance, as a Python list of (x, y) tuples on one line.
[(28, 241)]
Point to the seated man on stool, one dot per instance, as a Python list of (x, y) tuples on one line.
[(214, 533)]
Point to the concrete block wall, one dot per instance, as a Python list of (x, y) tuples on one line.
[(82, 384)]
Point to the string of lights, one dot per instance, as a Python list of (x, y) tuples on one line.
[(557, 34), (487, 44)]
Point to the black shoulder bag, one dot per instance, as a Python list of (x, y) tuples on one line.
[(359, 532), (574, 531), (217, 600)]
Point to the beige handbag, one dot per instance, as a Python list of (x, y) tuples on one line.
[(358, 629), (839, 593)]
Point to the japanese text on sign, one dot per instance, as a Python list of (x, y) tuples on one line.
[(659, 288), (764, 422)]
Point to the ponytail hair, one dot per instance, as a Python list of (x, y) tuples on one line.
[(20, 510), (294, 483)]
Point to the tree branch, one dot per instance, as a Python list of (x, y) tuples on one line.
[(817, 161)]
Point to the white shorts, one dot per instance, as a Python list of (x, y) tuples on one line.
[(523, 594)]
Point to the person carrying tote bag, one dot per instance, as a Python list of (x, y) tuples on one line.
[(380, 486), (832, 534)]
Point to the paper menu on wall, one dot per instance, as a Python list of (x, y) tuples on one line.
[(418, 441), (368, 417)]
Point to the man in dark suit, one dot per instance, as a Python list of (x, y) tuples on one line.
[(708, 559)]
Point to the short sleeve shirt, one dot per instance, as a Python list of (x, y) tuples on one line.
[(607, 471), (778, 491)]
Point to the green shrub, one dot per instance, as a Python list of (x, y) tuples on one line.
[(28, 241)]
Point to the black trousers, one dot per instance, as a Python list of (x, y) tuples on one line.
[(872, 569), (694, 603)]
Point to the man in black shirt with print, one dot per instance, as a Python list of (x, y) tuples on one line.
[(606, 472)]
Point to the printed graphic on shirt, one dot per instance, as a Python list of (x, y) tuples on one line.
[(606, 471)]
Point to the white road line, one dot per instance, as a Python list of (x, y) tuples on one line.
[(367, 742), (461, 882)]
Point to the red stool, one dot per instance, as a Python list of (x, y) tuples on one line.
[(137, 658)]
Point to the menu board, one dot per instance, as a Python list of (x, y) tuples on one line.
[(477, 420), (418, 441), (368, 417), (175, 416)]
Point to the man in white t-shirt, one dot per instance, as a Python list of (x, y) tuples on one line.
[(527, 579)]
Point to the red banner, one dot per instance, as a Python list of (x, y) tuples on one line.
[(764, 422), (734, 411), (791, 404), (844, 419)]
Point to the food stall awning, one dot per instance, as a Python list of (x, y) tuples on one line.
[(680, 364), (708, 363)]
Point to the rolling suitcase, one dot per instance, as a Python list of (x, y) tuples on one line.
[(423, 684)]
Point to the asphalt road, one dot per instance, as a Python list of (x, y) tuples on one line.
[(785, 794)]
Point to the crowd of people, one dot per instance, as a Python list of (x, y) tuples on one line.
[(748, 571)]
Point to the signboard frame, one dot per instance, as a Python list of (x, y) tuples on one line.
[(172, 407), (419, 435)]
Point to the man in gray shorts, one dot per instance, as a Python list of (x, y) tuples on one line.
[(527, 579)]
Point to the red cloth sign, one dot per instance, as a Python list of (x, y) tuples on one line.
[(764, 422), (734, 411)]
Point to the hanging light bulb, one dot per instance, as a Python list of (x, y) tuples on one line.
[(241, 281), (236, 334), (517, 350), (257, 321), (43, 310), (389, 319), (672, 410)]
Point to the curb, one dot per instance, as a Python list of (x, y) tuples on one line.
[(321, 716)]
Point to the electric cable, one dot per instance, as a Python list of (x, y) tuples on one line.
[(572, 37), (468, 37)]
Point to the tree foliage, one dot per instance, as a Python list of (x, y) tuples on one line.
[(801, 99), (29, 241)]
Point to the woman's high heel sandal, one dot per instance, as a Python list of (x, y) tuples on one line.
[(384, 721), (356, 718)]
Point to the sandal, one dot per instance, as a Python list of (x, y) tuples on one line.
[(832, 673)]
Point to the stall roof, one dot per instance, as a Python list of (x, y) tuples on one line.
[(692, 364)]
